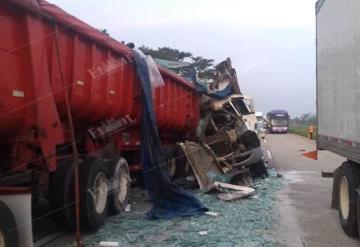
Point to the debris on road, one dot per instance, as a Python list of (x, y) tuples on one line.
[(241, 192), (108, 244), (128, 208), (201, 163), (232, 196), (239, 223), (202, 233), (214, 214), (235, 187)]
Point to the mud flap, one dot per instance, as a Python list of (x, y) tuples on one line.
[(335, 192)]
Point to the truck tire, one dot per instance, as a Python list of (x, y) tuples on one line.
[(358, 210), (62, 197), (94, 190), (347, 198), (119, 178), (9, 236), (258, 170)]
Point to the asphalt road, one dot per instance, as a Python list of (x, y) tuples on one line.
[(304, 203)]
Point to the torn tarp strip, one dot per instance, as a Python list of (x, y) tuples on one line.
[(221, 94), (218, 94), (169, 200)]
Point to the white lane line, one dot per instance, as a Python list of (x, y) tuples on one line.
[(269, 154)]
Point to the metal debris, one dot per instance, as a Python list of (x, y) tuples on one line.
[(108, 244), (240, 223), (128, 208), (202, 233), (214, 214)]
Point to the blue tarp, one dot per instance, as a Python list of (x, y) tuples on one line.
[(169, 200), (219, 94)]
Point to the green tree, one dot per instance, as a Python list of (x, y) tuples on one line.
[(305, 119), (203, 66), (166, 53)]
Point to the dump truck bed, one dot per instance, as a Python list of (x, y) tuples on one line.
[(46, 54)]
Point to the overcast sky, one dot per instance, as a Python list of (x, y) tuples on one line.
[(271, 43)]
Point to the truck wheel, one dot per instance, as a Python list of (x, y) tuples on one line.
[(347, 199), (119, 177), (94, 190), (62, 198), (9, 236), (358, 210), (258, 169)]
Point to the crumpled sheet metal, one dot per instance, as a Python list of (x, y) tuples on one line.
[(240, 223), (202, 164)]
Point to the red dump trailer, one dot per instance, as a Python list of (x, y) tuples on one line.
[(51, 65)]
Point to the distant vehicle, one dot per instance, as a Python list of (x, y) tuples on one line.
[(260, 124), (338, 106), (278, 121)]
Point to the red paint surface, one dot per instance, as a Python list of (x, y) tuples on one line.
[(98, 89)]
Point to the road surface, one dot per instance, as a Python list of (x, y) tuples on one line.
[(304, 203)]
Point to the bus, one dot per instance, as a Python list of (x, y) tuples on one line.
[(278, 121)]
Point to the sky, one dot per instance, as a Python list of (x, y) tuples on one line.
[(271, 43)]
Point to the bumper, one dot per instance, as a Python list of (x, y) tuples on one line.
[(279, 130)]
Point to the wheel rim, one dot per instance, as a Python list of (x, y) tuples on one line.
[(123, 182), (344, 198), (2, 239), (100, 192)]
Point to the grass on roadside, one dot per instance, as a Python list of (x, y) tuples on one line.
[(301, 130)]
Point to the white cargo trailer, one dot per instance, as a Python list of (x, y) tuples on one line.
[(338, 100)]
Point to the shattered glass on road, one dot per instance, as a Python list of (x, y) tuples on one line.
[(245, 222)]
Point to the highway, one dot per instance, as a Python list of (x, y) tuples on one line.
[(304, 203)]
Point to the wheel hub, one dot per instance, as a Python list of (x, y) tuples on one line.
[(344, 198), (2, 239), (100, 192), (122, 183)]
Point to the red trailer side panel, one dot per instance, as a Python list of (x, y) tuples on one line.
[(39, 48)]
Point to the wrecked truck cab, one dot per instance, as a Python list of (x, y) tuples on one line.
[(234, 103), (243, 106), (223, 129)]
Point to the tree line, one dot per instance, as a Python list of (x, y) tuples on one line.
[(305, 119), (203, 67)]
